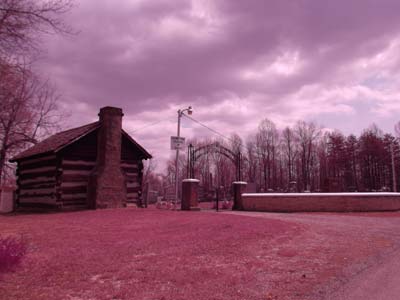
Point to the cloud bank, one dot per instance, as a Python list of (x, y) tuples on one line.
[(235, 62)]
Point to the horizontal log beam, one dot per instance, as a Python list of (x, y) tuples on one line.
[(132, 175), (75, 206), (130, 170), (77, 172), (129, 161), (38, 195), (133, 190), (35, 200), (42, 191), (37, 170), (76, 167), (37, 175), (73, 190), (128, 165), (34, 186), (75, 178), (73, 183), (78, 162), (39, 205), (132, 184), (65, 197), (39, 164), (37, 180), (35, 160)]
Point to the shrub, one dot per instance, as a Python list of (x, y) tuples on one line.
[(11, 252)]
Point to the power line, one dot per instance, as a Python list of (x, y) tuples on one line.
[(194, 120), (214, 131), (150, 125), (209, 128)]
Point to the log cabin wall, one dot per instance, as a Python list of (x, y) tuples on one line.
[(132, 166), (56, 171), (77, 163), (61, 180), (36, 179)]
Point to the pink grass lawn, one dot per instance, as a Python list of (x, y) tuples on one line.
[(171, 255)]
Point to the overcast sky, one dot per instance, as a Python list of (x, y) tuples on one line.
[(236, 62)]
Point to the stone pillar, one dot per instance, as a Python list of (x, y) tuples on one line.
[(190, 194), (107, 186), (238, 190)]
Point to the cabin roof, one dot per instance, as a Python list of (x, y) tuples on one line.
[(62, 139)]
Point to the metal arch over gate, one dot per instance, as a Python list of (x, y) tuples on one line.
[(194, 154)]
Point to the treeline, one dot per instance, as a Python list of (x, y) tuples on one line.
[(301, 158)]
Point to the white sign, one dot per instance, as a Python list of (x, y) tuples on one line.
[(177, 142)]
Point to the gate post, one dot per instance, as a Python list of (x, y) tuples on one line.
[(190, 194), (238, 190)]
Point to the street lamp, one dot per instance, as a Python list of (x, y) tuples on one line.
[(180, 114)]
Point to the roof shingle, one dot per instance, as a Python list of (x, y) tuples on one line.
[(56, 141)]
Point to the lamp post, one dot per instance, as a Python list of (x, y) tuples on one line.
[(180, 114)]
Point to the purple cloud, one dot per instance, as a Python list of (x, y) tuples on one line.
[(235, 62)]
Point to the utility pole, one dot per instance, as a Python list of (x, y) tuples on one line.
[(178, 133)]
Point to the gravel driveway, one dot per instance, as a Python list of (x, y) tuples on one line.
[(373, 277)]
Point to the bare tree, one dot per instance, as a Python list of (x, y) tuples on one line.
[(28, 105), (352, 165), (397, 129), (22, 22), (28, 110), (267, 137), (236, 143), (290, 150), (149, 171), (251, 163), (308, 134)]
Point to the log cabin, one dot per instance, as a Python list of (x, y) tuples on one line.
[(97, 165)]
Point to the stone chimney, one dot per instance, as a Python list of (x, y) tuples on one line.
[(107, 186)]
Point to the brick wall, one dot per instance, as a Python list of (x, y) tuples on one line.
[(341, 202)]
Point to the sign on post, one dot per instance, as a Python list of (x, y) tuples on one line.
[(177, 143)]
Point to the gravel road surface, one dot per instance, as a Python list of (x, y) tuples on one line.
[(381, 281), (376, 276)]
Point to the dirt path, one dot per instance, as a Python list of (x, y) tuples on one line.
[(376, 276), (382, 281)]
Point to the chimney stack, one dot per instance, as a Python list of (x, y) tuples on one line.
[(107, 186)]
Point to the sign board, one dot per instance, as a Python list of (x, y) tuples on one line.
[(177, 142)]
